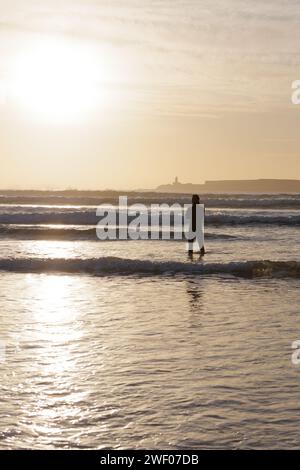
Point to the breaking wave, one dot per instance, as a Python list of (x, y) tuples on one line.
[(82, 233), (88, 217), (272, 201), (113, 265), (257, 219)]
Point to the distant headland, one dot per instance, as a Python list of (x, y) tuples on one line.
[(233, 186)]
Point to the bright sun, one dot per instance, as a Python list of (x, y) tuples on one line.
[(56, 80)]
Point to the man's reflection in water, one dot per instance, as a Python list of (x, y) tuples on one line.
[(195, 295), (196, 319)]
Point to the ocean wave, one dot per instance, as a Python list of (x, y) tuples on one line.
[(121, 266), (276, 201), (89, 217), (256, 219), (82, 233)]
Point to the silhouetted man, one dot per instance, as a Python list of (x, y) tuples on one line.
[(194, 216)]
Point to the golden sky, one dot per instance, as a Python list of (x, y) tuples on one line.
[(129, 93)]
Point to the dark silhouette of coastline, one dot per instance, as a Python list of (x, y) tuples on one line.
[(210, 190), (260, 186)]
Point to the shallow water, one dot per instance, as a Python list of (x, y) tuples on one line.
[(148, 363), (146, 352)]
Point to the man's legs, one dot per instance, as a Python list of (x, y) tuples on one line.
[(190, 247)]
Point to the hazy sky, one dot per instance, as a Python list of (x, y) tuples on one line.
[(130, 93)]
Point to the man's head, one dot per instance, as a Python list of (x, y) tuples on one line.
[(195, 199)]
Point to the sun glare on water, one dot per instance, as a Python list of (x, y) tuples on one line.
[(58, 81)]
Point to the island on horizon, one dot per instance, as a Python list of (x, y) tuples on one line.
[(234, 186)]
